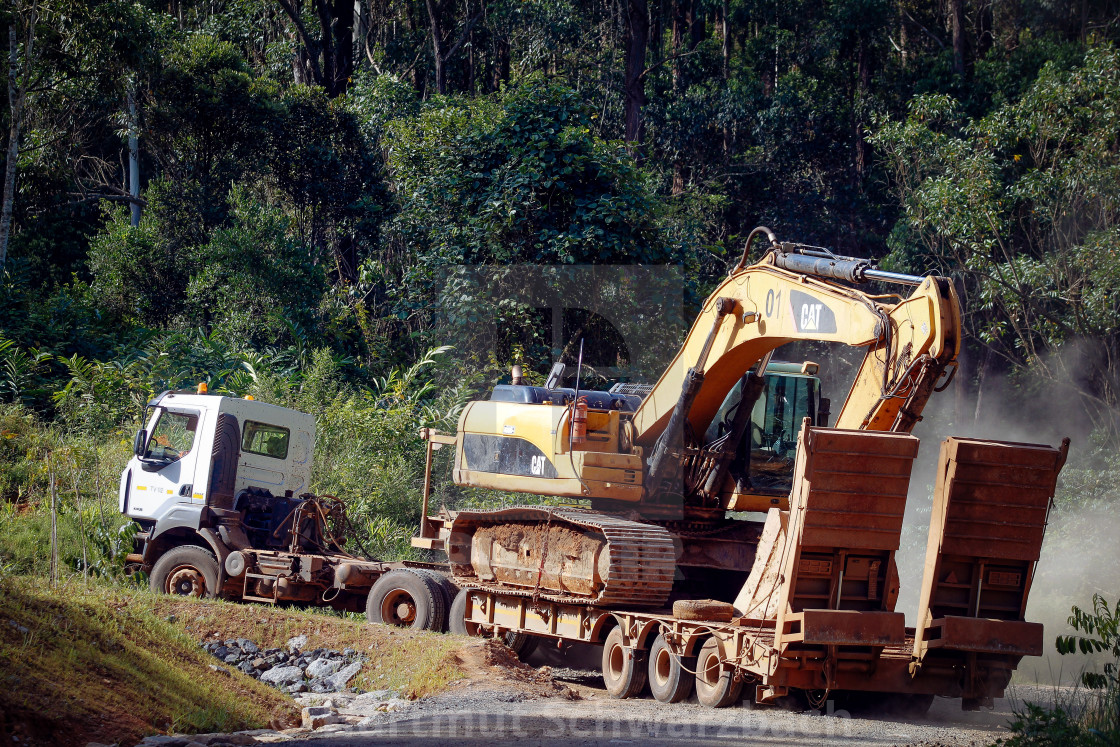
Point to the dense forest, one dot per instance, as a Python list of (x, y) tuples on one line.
[(270, 196)]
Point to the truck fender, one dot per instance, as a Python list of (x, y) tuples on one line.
[(184, 517), (174, 522)]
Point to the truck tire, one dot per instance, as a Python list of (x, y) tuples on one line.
[(624, 670), (716, 686), (450, 590), (407, 599), (188, 571), (670, 680), (521, 644)]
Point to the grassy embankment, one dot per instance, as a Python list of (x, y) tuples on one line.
[(108, 664)]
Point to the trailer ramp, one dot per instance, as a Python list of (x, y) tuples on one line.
[(990, 507), (825, 572)]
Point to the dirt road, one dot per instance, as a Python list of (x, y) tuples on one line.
[(471, 716)]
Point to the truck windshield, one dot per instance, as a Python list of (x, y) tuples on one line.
[(172, 437)]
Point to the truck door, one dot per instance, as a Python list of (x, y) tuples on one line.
[(168, 464)]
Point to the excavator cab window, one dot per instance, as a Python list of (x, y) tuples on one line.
[(776, 418), (775, 423), (777, 415)]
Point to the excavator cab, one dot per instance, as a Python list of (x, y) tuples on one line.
[(791, 393)]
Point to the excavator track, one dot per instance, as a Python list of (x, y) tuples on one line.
[(563, 555)]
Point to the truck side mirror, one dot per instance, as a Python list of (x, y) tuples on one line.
[(140, 442)]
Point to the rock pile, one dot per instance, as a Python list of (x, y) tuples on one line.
[(292, 671)]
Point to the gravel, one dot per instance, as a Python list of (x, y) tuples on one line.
[(470, 717)]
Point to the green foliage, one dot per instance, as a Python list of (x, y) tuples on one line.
[(1094, 718), (251, 276), (1101, 627), (1042, 727), (521, 177), (137, 273), (208, 113), (1023, 203)]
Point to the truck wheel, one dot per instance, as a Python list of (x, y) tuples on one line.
[(624, 670), (407, 600), (716, 686), (445, 585), (521, 644), (669, 678), (187, 571)]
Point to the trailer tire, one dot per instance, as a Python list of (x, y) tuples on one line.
[(624, 670), (716, 686), (670, 680), (521, 644), (703, 609), (406, 599), (188, 571)]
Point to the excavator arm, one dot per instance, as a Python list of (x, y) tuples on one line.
[(909, 344)]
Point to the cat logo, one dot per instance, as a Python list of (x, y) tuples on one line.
[(811, 314), (536, 466)]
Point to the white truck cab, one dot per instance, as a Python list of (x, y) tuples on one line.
[(220, 488), (173, 473)]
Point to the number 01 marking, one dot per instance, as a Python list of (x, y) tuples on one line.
[(773, 302)]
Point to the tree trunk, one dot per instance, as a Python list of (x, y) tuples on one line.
[(984, 32), (726, 40), (133, 154), (676, 43), (341, 32), (903, 34), (500, 70), (637, 36), (697, 28), (437, 46), (16, 97), (863, 85), (960, 42)]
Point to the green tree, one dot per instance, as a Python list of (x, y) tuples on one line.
[(253, 280), (1024, 205)]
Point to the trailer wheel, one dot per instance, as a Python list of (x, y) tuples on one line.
[(624, 670), (186, 571), (521, 644), (669, 678), (716, 686), (407, 600)]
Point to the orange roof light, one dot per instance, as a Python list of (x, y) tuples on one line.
[(202, 389)]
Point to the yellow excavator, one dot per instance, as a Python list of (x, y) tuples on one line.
[(663, 465), (670, 562)]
